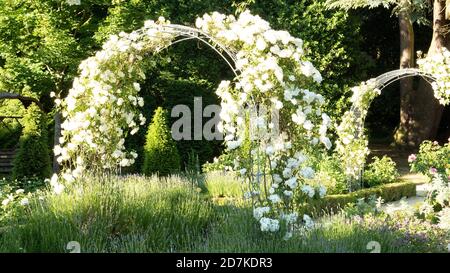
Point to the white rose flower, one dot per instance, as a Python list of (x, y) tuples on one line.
[(137, 86), (24, 202), (308, 221), (308, 190), (292, 182), (275, 198), (261, 44)]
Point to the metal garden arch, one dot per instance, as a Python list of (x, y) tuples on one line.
[(380, 83)]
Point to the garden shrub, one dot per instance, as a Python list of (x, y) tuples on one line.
[(10, 129), (431, 159), (331, 175), (363, 207), (380, 171), (160, 151), (33, 156), (9, 137)]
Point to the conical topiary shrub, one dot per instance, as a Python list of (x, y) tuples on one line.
[(33, 157), (160, 152)]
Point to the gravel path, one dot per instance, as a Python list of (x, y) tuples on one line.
[(407, 203)]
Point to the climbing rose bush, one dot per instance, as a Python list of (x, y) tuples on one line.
[(271, 144), (438, 66), (103, 105), (352, 144)]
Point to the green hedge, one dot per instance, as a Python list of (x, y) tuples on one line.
[(161, 155), (332, 203), (33, 156)]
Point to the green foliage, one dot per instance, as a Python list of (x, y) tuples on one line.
[(220, 184), (12, 202), (33, 156), (42, 42), (363, 207), (180, 73), (355, 4), (161, 154), (416, 9), (41, 51), (431, 159), (336, 234), (222, 163), (192, 171), (380, 171), (9, 136), (10, 129), (330, 174), (30, 184)]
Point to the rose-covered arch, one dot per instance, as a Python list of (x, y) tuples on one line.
[(352, 144), (272, 72)]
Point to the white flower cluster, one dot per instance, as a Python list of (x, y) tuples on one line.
[(10, 198), (73, 2), (268, 224), (352, 145), (444, 218), (438, 66), (102, 106), (439, 194)]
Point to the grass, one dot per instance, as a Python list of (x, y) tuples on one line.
[(235, 233), (119, 215), (223, 185), (137, 214)]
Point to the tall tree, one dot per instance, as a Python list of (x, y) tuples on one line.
[(427, 112), (42, 43), (408, 13)]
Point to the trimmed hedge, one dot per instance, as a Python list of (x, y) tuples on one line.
[(160, 152), (33, 156), (332, 203)]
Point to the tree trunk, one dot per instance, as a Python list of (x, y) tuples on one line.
[(402, 136), (56, 137), (427, 112)]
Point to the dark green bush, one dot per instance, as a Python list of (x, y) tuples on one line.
[(160, 151), (33, 156), (380, 171)]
